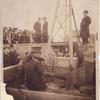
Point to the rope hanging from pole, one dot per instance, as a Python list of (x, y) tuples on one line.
[(75, 23)]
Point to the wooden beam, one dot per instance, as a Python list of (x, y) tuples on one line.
[(70, 34)]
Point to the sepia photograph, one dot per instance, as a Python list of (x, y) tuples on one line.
[(49, 49)]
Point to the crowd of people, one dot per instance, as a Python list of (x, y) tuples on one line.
[(16, 36), (63, 51), (39, 34), (10, 56), (31, 66)]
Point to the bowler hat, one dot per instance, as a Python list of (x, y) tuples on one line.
[(44, 18), (85, 11), (11, 45), (39, 18)]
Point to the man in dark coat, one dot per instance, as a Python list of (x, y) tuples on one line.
[(15, 37), (34, 74), (13, 55), (84, 27), (45, 30), (6, 57), (25, 38), (5, 33), (37, 28)]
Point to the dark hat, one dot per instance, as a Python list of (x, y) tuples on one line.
[(85, 11), (25, 31), (11, 45), (39, 18), (15, 29), (10, 29), (44, 18)]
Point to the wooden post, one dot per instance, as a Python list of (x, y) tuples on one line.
[(70, 45), (70, 34), (66, 24)]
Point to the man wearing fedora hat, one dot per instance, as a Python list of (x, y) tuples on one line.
[(84, 27)]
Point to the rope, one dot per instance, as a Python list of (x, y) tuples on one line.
[(75, 22), (59, 28)]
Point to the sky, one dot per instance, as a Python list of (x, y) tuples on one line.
[(23, 13)]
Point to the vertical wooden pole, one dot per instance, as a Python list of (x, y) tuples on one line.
[(66, 36), (70, 45), (70, 34)]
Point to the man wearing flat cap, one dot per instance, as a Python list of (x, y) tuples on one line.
[(84, 27), (34, 73)]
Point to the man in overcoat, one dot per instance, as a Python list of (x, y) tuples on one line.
[(13, 55), (45, 30), (6, 57), (34, 73), (84, 27), (37, 28)]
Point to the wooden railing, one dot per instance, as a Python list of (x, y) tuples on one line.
[(10, 73)]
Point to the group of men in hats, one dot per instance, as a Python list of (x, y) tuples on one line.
[(42, 35), (10, 56), (41, 31)]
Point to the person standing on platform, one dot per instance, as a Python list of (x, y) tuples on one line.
[(5, 33), (45, 30), (37, 28), (15, 36), (84, 27)]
